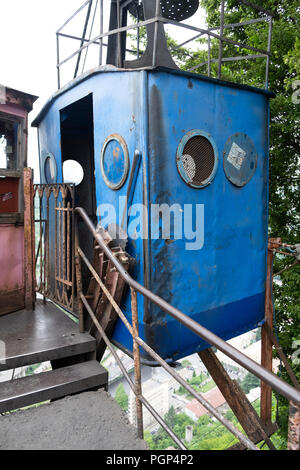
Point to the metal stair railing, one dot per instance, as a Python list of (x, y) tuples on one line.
[(291, 393)]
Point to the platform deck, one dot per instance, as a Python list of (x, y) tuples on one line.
[(44, 334)]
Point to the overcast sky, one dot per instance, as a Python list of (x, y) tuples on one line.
[(28, 48)]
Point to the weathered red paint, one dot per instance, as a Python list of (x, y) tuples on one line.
[(16, 268), (13, 110), (9, 195), (12, 268)]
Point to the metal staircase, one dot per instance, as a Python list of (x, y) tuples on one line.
[(47, 334), (45, 331)]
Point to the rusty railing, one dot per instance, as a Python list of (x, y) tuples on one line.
[(217, 33), (54, 253), (291, 393)]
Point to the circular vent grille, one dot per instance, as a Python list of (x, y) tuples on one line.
[(177, 10), (197, 159)]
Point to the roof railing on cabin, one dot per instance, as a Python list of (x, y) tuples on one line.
[(95, 9)]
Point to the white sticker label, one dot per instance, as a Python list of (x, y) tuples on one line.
[(236, 156)]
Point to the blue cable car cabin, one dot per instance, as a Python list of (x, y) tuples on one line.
[(182, 159)]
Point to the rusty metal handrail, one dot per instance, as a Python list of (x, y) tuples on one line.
[(137, 387), (271, 379)]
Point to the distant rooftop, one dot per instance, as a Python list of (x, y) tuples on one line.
[(214, 397)]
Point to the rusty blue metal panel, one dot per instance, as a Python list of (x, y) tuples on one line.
[(118, 109), (222, 283), (240, 159)]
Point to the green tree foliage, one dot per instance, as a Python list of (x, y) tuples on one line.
[(208, 434), (170, 417), (185, 363), (249, 382), (121, 397)]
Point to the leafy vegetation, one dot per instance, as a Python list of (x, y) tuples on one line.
[(200, 383), (208, 434), (30, 370), (121, 397), (249, 382)]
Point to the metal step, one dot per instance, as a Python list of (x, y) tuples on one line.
[(51, 385), (43, 334)]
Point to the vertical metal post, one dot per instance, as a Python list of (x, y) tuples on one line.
[(209, 54), (119, 59), (58, 60), (83, 37), (221, 42), (28, 239), (59, 212), (63, 273), (157, 10), (138, 33), (47, 249), (78, 280), (55, 192), (41, 192), (101, 32), (68, 242), (73, 244), (269, 50), (266, 343), (137, 365), (294, 427)]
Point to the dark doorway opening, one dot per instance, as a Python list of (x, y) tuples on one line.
[(77, 144), (77, 150)]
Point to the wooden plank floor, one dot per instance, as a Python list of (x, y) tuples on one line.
[(43, 334)]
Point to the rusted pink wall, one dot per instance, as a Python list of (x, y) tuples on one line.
[(13, 109), (11, 268)]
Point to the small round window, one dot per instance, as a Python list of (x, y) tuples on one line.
[(240, 159), (50, 169), (114, 161), (197, 159), (72, 172)]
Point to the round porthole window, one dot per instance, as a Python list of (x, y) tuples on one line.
[(114, 161), (240, 159), (197, 159), (50, 169)]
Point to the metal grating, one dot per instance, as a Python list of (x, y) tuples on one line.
[(177, 10), (198, 160)]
